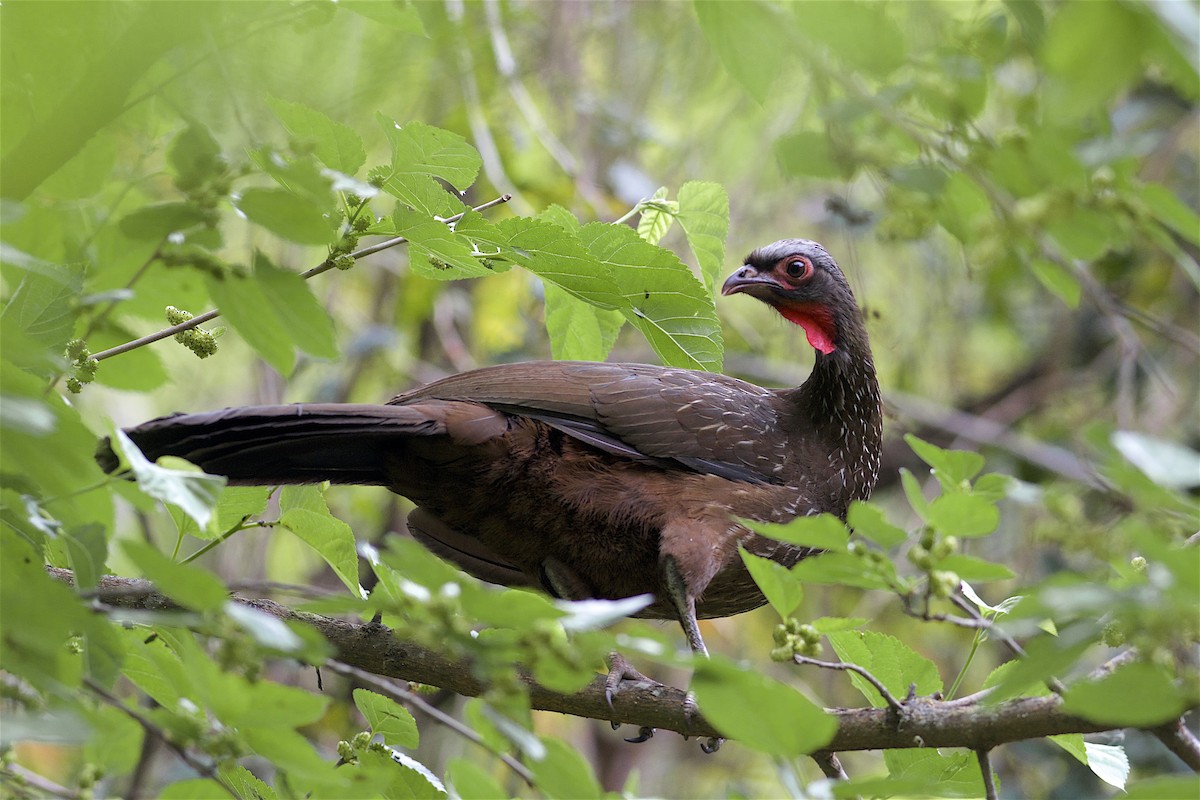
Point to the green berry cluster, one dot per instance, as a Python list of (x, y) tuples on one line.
[(201, 342), (793, 638), (930, 551), (377, 176), (83, 366)]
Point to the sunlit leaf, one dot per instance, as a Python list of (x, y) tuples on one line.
[(387, 718), (782, 590), (338, 146)]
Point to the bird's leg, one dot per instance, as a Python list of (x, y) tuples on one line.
[(684, 601), (561, 581)]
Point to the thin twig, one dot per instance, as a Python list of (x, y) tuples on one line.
[(1179, 739), (317, 270), (989, 780), (207, 770), (831, 765), (43, 786), (887, 696), (393, 690)]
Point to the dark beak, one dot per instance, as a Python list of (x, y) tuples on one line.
[(749, 280)]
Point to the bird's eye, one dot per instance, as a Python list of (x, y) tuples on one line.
[(796, 268)]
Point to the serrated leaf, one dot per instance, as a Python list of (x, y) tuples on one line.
[(331, 538), (289, 215), (1110, 763), (704, 216), (656, 216), (195, 493), (338, 146), (190, 586), (245, 783), (306, 321), (429, 239), (868, 520), (820, 532), (662, 298), (777, 583), (387, 718), (891, 661), (421, 153), (760, 712), (1167, 463), (42, 310), (832, 624), (964, 515)]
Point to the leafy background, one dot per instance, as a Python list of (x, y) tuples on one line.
[(1013, 197)]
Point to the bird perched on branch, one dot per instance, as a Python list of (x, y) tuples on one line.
[(591, 480)]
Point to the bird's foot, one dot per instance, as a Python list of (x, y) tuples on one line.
[(691, 710), (619, 669)]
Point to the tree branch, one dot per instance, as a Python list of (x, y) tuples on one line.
[(925, 722)]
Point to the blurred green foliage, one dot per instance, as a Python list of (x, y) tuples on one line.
[(1011, 186)]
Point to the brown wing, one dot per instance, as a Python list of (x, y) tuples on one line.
[(709, 423)]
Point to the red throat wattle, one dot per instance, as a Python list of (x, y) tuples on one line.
[(817, 321)]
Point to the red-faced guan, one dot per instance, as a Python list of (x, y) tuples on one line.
[(591, 480)]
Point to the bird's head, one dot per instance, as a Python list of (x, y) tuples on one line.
[(801, 281)]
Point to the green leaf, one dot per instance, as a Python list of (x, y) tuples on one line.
[(821, 532), (970, 568), (192, 789), (289, 215), (564, 773), (965, 515), (421, 153), (663, 299), (846, 570), (190, 586), (809, 154), (153, 223), (1171, 211), (867, 520), (954, 774), (952, 467), (862, 35), (336, 145), (195, 156), (194, 492), (43, 308), (331, 538), (777, 583), (87, 546), (656, 216), (912, 491), (1090, 78), (306, 321), (579, 331), (1109, 762), (1058, 280), (1136, 695), (760, 712), (1160, 788), (704, 216), (891, 661), (431, 240), (470, 781), (387, 718), (245, 783), (728, 26), (962, 205), (243, 302), (831, 624)]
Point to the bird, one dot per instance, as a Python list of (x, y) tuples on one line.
[(594, 480)]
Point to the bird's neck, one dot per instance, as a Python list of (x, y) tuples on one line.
[(841, 400)]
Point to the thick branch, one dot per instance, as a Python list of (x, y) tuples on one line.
[(924, 722)]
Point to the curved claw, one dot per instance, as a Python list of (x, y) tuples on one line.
[(711, 745), (619, 670), (645, 734)]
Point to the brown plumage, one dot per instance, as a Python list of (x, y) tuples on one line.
[(595, 480)]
